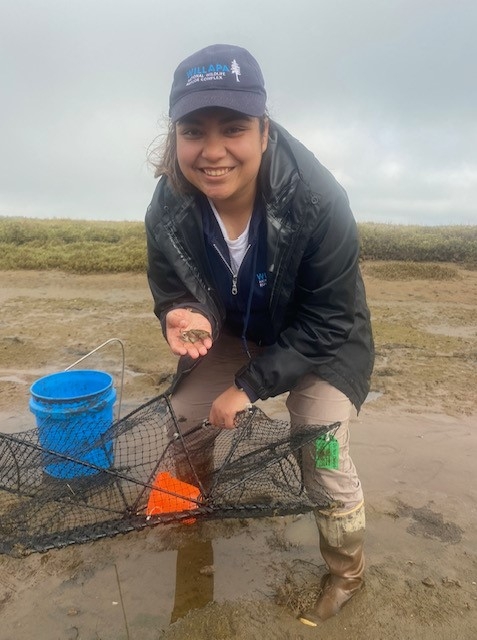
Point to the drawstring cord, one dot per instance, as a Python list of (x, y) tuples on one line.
[(249, 302)]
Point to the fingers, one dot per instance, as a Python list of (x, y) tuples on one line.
[(192, 350), (226, 406), (188, 333)]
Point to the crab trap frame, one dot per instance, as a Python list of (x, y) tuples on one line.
[(149, 472)]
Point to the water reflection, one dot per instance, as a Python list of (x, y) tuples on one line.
[(194, 577)]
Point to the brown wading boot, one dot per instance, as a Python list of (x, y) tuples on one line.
[(341, 545)]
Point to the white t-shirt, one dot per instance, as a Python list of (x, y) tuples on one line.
[(238, 247)]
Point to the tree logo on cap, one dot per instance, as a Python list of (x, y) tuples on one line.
[(235, 68)]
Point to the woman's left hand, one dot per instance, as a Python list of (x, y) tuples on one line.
[(226, 406)]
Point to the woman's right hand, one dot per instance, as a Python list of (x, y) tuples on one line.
[(188, 333)]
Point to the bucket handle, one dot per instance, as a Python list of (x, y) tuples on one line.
[(122, 367)]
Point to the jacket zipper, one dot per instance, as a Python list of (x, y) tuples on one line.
[(234, 275)]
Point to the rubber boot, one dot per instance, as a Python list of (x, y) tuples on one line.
[(341, 545)]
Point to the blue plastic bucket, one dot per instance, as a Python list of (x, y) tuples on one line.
[(73, 409)]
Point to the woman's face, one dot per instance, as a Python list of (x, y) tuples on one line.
[(219, 151)]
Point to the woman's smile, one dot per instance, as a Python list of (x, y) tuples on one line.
[(216, 173)]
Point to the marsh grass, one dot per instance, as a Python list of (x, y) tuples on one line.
[(81, 246), (300, 588), (394, 270), (412, 243), (76, 246)]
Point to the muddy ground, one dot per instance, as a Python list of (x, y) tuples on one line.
[(414, 442)]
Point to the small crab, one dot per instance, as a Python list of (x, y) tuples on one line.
[(194, 335)]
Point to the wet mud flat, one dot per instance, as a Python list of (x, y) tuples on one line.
[(248, 578), (415, 446)]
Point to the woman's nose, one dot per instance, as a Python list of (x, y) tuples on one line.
[(214, 148)]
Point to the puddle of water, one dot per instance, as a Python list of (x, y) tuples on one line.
[(14, 379), (150, 587), (194, 577), (225, 569), (453, 331), (373, 395)]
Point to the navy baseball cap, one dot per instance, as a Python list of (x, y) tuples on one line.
[(220, 75)]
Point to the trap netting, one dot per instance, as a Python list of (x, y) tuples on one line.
[(144, 471)]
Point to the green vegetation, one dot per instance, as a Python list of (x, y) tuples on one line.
[(82, 246), (419, 244), (391, 270), (77, 246)]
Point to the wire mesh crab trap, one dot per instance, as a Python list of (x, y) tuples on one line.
[(142, 471)]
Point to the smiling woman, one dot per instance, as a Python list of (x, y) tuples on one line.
[(219, 152), (253, 250)]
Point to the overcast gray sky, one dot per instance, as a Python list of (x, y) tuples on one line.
[(384, 93)]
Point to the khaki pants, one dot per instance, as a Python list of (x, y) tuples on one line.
[(311, 401)]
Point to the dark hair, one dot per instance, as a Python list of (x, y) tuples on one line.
[(163, 158)]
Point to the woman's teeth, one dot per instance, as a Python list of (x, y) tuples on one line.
[(216, 172)]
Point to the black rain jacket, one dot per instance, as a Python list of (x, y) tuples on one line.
[(319, 316)]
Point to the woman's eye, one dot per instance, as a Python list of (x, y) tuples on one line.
[(191, 133), (234, 130)]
